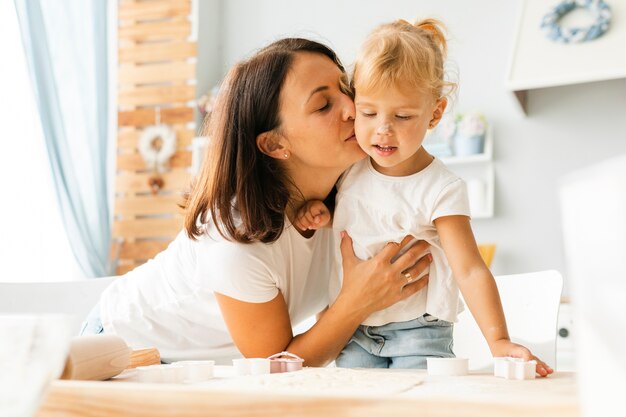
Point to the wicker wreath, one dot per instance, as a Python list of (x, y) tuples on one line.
[(157, 144), (598, 8)]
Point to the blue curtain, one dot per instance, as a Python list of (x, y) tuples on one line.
[(66, 50)]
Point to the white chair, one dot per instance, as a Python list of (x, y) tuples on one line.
[(531, 306), (74, 298)]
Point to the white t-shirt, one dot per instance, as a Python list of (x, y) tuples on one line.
[(375, 209), (169, 302)]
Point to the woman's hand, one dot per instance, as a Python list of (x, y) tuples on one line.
[(262, 329), (504, 348), (377, 283)]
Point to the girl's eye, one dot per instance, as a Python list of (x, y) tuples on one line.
[(368, 114), (402, 117)]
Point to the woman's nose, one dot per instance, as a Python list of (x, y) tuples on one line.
[(384, 129), (349, 111)]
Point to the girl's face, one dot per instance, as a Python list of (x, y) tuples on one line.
[(391, 125), (317, 117)]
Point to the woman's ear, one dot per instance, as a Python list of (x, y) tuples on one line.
[(438, 111), (272, 145)]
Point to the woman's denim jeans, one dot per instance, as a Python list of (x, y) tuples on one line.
[(398, 345)]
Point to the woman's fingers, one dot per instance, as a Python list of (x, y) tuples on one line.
[(347, 250), (409, 289), (411, 256), (416, 271), (407, 239)]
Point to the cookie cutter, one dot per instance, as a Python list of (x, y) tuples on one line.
[(447, 366), (514, 368), (285, 362)]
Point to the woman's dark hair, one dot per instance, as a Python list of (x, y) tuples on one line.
[(245, 191)]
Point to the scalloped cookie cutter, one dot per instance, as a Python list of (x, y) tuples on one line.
[(285, 362), (277, 363), (514, 368)]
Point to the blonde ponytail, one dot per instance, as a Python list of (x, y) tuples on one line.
[(436, 30)]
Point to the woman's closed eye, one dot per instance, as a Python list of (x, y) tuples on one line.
[(325, 107)]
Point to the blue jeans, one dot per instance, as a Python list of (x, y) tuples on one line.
[(93, 323), (398, 345)]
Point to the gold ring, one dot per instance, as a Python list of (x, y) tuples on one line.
[(408, 277)]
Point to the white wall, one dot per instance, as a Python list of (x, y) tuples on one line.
[(568, 127)]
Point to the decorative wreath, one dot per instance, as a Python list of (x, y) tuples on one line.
[(598, 8), (157, 144)]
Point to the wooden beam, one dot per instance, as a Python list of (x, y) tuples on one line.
[(167, 51), (133, 183), (145, 117), (151, 10), (178, 30), (145, 205), (146, 96), (135, 162), (142, 249), (148, 228), (156, 73)]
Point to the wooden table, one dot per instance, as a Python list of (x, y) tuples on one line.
[(475, 395)]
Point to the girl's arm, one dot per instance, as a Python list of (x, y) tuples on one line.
[(313, 215), (479, 288), (262, 329)]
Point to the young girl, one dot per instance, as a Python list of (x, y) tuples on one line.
[(400, 190)]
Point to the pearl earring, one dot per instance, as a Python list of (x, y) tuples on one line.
[(286, 155)]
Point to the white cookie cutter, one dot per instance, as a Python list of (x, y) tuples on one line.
[(285, 362), (447, 366), (514, 368), (251, 366), (169, 374), (196, 371)]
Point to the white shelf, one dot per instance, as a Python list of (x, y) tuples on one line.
[(486, 156), (474, 168), (538, 62)]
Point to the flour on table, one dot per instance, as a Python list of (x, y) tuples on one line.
[(327, 381)]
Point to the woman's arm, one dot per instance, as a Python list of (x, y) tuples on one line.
[(260, 330), (479, 287)]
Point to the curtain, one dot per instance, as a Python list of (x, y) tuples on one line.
[(66, 49)]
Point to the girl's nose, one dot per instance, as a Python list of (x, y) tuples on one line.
[(384, 129)]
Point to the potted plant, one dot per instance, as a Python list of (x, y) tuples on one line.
[(470, 134)]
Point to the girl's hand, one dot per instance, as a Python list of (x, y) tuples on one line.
[(504, 347), (312, 215), (376, 284)]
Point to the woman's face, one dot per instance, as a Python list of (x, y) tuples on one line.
[(317, 117)]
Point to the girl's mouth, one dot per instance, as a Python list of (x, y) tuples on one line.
[(384, 150)]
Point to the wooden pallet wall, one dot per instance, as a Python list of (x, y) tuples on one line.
[(157, 69)]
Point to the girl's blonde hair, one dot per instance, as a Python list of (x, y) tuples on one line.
[(404, 53)]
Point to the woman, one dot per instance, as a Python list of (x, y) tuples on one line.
[(240, 274)]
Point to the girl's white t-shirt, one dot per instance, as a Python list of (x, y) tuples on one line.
[(375, 209), (169, 302)]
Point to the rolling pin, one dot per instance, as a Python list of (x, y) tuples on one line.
[(103, 356)]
